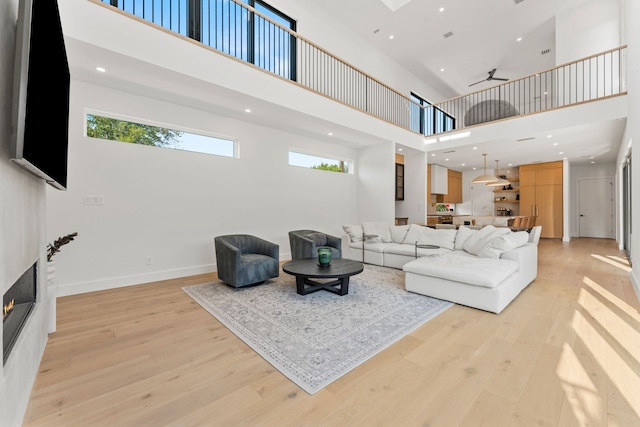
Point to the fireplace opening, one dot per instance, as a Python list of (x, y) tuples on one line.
[(17, 304)]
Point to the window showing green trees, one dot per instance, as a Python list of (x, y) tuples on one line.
[(108, 128), (317, 162)]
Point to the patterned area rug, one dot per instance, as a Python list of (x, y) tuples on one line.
[(316, 338)]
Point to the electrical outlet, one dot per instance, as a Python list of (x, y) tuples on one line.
[(93, 200), (149, 260)]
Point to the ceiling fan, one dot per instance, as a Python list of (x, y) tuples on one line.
[(488, 79)]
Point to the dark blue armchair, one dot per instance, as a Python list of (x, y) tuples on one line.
[(305, 244), (245, 260)]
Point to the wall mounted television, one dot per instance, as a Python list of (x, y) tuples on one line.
[(40, 113)]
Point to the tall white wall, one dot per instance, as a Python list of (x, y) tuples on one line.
[(632, 133), (22, 241), (170, 204), (590, 28), (376, 183), (415, 188)]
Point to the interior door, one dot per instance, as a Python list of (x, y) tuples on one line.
[(595, 207)]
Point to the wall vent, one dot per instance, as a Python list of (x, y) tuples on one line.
[(525, 139), (544, 52), (449, 152), (376, 31), (447, 35)]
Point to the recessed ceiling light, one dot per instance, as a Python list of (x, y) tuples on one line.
[(510, 164), (441, 69), (475, 148), (247, 110), (519, 39), (591, 157), (446, 160), (442, 9), (433, 154), (555, 143), (474, 168), (561, 152), (592, 162), (102, 70), (399, 149), (330, 133), (549, 136), (390, 37)]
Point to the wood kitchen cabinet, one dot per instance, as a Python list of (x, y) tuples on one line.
[(454, 194), (541, 193), (454, 188)]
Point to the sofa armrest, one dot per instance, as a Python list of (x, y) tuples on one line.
[(527, 258)]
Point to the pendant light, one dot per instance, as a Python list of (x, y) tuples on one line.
[(484, 178), (501, 182)]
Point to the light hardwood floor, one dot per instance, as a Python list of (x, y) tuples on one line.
[(565, 352)]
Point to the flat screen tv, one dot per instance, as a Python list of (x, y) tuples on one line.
[(40, 114)]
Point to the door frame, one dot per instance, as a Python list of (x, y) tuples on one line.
[(580, 181)]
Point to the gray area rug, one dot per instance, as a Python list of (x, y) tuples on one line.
[(316, 338)]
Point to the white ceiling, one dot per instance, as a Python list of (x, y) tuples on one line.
[(485, 34)]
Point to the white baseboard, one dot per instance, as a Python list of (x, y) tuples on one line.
[(119, 282)]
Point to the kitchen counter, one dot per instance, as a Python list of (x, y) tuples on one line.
[(501, 221)]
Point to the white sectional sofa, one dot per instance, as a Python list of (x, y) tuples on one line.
[(485, 269)]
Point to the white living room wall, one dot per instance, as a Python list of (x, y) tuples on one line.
[(170, 204), (376, 183), (415, 188), (22, 241)]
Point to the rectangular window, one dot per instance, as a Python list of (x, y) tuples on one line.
[(427, 119), (139, 133), (313, 161)]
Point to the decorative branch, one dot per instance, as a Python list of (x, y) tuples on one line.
[(53, 248)]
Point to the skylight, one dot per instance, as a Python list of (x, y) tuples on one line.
[(395, 4)]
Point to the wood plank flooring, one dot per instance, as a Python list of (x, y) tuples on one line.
[(565, 352)]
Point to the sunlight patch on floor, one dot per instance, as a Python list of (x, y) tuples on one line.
[(610, 339), (619, 264), (581, 392)]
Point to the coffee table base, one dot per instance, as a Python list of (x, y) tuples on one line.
[(306, 286)]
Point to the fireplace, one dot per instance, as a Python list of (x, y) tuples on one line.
[(17, 304)]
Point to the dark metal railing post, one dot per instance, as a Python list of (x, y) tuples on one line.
[(194, 20)]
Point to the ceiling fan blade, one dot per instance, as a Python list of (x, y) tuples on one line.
[(478, 82), (491, 73), (498, 78)]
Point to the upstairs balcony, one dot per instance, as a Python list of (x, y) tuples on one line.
[(265, 39)]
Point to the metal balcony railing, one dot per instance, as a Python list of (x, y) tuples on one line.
[(261, 37), (595, 77)]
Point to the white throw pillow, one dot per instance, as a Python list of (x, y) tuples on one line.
[(463, 234), (478, 240), (501, 244), (354, 232), (399, 232), (444, 238), (429, 236), (416, 233), (380, 229)]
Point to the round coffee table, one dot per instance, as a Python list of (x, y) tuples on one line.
[(306, 269)]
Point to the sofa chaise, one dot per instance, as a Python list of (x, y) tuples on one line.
[(484, 269)]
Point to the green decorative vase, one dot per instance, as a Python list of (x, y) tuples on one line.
[(324, 257)]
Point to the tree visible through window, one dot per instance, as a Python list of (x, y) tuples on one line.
[(138, 133), (317, 162)]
